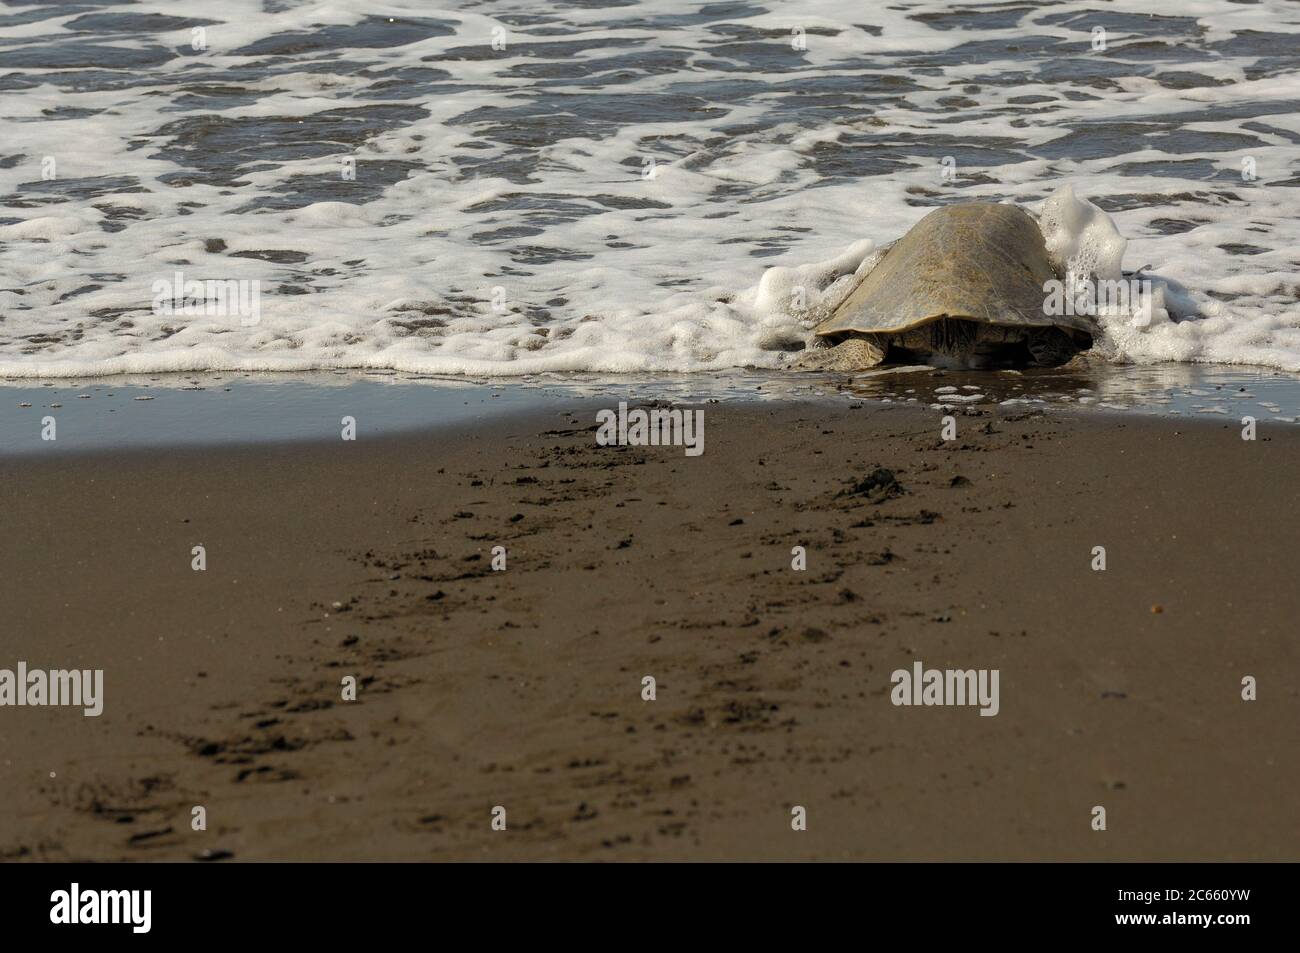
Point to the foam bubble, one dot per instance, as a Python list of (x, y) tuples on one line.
[(1081, 239)]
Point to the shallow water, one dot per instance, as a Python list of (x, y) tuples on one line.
[(1167, 390), (603, 192), (137, 411)]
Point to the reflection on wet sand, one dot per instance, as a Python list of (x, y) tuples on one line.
[(1168, 389)]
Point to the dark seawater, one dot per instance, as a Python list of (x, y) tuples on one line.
[(508, 188)]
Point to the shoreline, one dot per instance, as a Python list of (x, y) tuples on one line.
[(217, 411), (523, 688)]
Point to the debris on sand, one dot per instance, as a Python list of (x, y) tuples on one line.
[(878, 485)]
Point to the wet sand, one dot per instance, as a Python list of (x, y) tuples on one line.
[(523, 688)]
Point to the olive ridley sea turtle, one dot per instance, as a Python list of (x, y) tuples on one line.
[(965, 287)]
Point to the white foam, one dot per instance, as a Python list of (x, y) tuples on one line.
[(746, 240), (1081, 239), (47, 228)]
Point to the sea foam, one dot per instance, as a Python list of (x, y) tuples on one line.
[(623, 189)]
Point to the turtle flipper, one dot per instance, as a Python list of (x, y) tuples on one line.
[(855, 354), (1050, 347)]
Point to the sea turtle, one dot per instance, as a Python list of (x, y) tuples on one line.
[(963, 288)]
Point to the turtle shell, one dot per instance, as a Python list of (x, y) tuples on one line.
[(979, 261)]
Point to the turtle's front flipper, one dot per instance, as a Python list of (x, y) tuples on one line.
[(1051, 347), (855, 354)]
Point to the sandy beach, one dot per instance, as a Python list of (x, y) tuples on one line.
[(523, 688)]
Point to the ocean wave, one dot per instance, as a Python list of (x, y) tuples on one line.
[(491, 190)]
